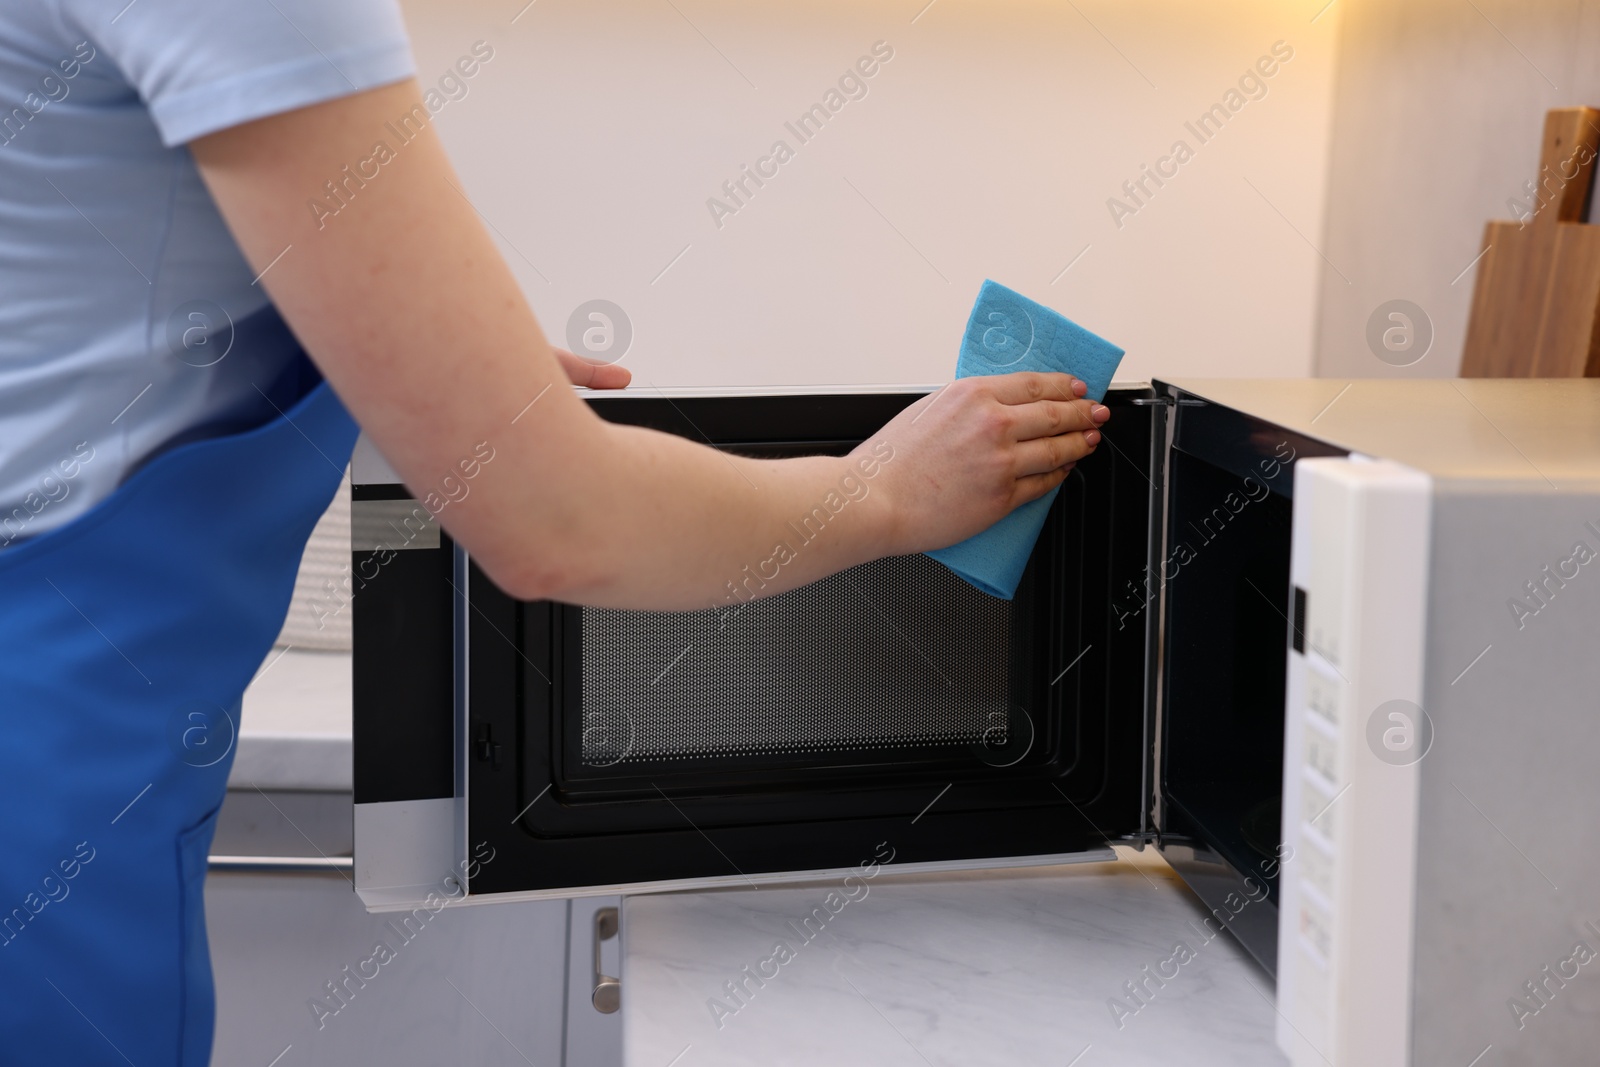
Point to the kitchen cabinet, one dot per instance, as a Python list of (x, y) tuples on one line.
[(472, 986), (299, 976), (594, 1037)]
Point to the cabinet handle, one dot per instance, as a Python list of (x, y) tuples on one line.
[(607, 996), (282, 864)]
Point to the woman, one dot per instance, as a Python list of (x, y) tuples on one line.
[(186, 348)]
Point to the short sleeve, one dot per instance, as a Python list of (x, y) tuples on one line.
[(205, 65)]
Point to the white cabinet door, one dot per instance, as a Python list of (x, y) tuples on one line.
[(301, 979)]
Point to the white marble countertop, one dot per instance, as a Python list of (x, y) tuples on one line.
[(1012, 967), (294, 731)]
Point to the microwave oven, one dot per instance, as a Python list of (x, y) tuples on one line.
[(1222, 646)]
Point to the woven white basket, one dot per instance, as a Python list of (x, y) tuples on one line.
[(319, 613)]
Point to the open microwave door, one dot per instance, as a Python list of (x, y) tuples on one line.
[(890, 714), (1228, 619)]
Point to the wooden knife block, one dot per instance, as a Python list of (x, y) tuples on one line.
[(1536, 303)]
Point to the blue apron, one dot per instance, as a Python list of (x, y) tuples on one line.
[(126, 639)]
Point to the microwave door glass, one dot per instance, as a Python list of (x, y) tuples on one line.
[(1226, 634), (1228, 626)]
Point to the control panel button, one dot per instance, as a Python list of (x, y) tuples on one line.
[(1323, 693), (1317, 809), (1322, 754)]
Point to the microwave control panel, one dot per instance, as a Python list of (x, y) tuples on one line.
[(1354, 732)]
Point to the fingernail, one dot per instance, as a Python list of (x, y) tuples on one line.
[(1092, 437), (1099, 413), (1080, 387)]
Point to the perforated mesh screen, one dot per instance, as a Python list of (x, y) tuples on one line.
[(896, 652)]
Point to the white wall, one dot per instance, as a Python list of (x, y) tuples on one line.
[(1439, 113), (987, 147)]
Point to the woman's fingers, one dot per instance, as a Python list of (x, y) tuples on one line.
[(590, 374), (1045, 454), (1047, 418), (610, 376), (1035, 486), (1023, 387), (968, 454)]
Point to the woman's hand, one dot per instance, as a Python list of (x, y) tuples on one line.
[(965, 456), (592, 374)]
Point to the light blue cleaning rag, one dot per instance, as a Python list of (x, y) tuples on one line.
[(1008, 332)]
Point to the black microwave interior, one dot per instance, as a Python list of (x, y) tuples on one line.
[(892, 702), (892, 662), (895, 667)]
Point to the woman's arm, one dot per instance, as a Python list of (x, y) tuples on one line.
[(409, 310)]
